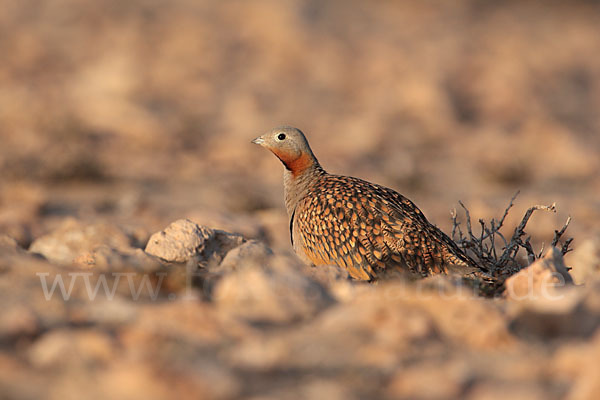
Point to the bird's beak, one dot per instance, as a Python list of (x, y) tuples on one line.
[(259, 140)]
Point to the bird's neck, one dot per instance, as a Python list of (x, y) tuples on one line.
[(297, 179)]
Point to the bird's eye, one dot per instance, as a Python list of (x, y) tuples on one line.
[(281, 136)]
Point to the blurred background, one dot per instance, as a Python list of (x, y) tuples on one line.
[(142, 111)]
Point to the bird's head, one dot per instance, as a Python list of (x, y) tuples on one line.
[(290, 146)]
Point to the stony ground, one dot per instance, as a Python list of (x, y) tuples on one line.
[(119, 118), (210, 314)]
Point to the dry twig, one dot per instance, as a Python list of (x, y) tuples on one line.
[(484, 247)]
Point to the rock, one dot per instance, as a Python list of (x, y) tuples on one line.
[(585, 261), (74, 238), (18, 321), (447, 380), (335, 279), (104, 257), (469, 320), (109, 313), (71, 348), (273, 293), (248, 225), (181, 340), (20, 205), (382, 326), (571, 312), (193, 322), (179, 242), (544, 303), (184, 239), (578, 362), (501, 391), (9, 245), (251, 251), (327, 274), (128, 379), (320, 388), (540, 278)]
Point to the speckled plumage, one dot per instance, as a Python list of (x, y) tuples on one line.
[(368, 229)]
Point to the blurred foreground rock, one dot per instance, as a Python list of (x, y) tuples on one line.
[(586, 261), (74, 238), (544, 303), (273, 293), (9, 245), (539, 278)]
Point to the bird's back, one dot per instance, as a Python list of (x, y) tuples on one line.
[(369, 230)]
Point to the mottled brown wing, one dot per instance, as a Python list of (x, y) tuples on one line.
[(400, 236), (344, 221), (332, 230), (434, 249), (369, 230)]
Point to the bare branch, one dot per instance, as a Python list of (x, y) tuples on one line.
[(468, 219), (515, 242), (565, 247), (484, 247), (558, 234), (512, 201)]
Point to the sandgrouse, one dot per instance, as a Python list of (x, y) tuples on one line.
[(367, 229)]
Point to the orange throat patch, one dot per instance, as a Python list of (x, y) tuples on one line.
[(297, 166)]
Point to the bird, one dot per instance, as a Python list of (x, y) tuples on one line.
[(365, 228)]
